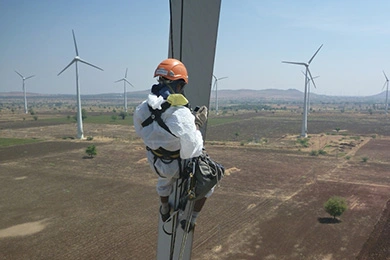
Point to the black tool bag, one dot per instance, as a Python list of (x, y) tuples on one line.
[(204, 174)]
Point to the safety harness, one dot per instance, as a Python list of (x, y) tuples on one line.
[(164, 155), (156, 116)]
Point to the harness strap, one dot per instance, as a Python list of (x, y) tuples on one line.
[(166, 157), (156, 116), (165, 154)]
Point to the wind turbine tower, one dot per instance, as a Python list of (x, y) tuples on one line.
[(216, 91), (308, 91), (387, 92), (24, 90), (124, 88), (80, 133), (304, 121)]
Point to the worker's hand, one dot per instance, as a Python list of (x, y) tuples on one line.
[(201, 116)]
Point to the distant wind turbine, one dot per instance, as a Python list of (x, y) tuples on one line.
[(124, 88), (216, 91), (304, 121), (24, 90), (308, 91), (387, 92), (80, 133)]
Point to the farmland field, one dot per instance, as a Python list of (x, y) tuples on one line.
[(56, 203)]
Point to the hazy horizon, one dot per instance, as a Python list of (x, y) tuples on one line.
[(253, 40), (129, 92)]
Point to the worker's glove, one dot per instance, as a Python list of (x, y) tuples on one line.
[(201, 116)]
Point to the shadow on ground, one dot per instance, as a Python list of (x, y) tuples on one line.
[(329, 220)]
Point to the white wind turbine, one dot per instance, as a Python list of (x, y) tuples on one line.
[(308, 90), (124, 88), (387, 92), (304, 121), (80, 133), (24, 90), (216, 91)]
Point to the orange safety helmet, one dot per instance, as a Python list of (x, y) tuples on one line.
[(172, 69)]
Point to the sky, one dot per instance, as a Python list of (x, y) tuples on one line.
[(254, 37)]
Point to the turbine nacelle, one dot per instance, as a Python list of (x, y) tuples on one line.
[(125, 79), (23, 78)]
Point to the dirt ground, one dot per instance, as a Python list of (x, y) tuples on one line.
[(57, 204)]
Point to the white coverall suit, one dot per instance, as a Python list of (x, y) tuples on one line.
[(187, 139)]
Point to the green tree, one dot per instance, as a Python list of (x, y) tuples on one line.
[(123, 115), (335, 206), (83, 113), (91, 150)]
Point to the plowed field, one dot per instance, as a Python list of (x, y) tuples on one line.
[(56, 203)]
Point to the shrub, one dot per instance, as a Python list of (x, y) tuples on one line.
[(364, 159), (91, 150), (303, 142), (123, 115), (335, 206), (321, 152)]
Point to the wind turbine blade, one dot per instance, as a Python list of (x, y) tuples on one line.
[(384, 85), (83, 61), (312, 80), (215, 78), (75, 44), (296, 63), (67, 66), (126, 73), (309, 78), (19, 74), (215, 82), (128, 82), (385, 75), (223, 78), (315, 53), (118, 80), (30, 77)]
